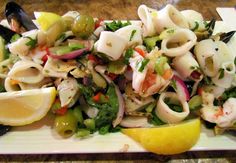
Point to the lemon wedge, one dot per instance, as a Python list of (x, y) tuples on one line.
[(169, 139), (46, 19), (24, 107)]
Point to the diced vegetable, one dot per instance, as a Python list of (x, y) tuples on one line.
[(128, 54), (150, 42), (81, 133), (141, 65), (78, 114), (140, 51), (195, 102), (75, 46), (66, 125), (115, 25), (116, 67), (161, 64), (90, 124)]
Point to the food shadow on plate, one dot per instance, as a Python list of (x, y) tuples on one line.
[(46, 121)]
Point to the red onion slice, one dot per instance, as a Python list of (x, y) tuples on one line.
[(70, 55), (181, 88), (120, 113)]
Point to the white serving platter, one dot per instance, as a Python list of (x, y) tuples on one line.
[(38, 138)]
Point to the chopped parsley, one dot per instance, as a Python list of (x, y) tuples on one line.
[(15, 37), (115, 25), (132, 34), (141, 65), (32, 42), (196, 26), (128, 54)]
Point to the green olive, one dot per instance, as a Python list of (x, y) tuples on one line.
[(66, 125), (83, 26)]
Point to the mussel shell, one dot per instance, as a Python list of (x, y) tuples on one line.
[(4, 129), (14, 11), (6, 33)]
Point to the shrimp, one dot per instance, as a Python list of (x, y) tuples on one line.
[(224, 116)]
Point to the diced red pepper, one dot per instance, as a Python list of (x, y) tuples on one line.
[(45, 57), (98, 23), (96, 98), (140, 51), (92, 57), (112, 76), (62, 110), (57, 109)]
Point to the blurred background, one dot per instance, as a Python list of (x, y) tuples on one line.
[(118, 9)]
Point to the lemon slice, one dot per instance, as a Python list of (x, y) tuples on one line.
[(169, 139), (46, 19), (24, 107)]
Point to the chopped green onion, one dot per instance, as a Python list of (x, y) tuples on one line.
[(132, 35), (104, 130), (32, 42), (141, 65), (128, 54), (115, 25), (196, 26), (15, 37)]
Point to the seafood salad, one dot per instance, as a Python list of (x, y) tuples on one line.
[(164, 69)]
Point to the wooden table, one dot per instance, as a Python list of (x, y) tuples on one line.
[(123, 9)]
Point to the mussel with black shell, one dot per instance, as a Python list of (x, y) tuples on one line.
[(17, 18)]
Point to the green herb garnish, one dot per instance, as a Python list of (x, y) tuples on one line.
[(128, 55), (115, 25), (196, 26), (132, 34), (15, 37), (141, 65), (32, 42)]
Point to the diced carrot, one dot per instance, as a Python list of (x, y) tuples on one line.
[(140, 51), (167, 74), (199, 91), (219, 112), (149, 80)]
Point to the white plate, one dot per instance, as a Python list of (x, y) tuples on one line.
[(38, 138)]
